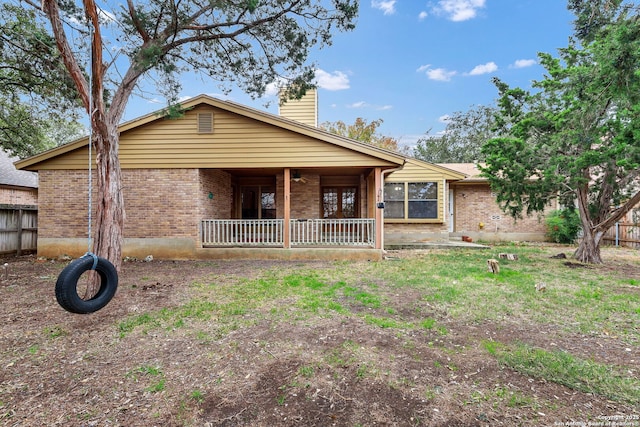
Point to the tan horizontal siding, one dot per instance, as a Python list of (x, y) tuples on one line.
[(415, 171), (236, 142), (304, 110)]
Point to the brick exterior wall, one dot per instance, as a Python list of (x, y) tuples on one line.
[(158, 203), (305, 198), (16, 196), (165, 203), (161, 202), (415, 229), (217, 183), (475, 204), (62, 204)]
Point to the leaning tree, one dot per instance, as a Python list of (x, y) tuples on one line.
[(247, 43), (577, 136)]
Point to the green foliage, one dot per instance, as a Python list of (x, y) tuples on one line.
[(252, 5), (38, 102), (249, 44), (575, 135), (592, 16), (462, 139), (563, 225), (362, 131)]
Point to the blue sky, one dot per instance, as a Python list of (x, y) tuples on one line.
[(413, 62)]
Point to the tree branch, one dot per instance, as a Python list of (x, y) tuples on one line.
[(136, 22), (618, 213), (50, 7)]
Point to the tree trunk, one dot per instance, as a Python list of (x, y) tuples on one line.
[(589, 248), (110, 215)]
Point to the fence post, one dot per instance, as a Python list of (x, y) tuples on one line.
[(19, 249), (617, 233)]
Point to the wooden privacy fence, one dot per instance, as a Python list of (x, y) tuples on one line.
[(624, 234), (18, 229)]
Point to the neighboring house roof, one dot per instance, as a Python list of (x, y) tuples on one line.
[(10, 176), (306, 132), (470, 171)]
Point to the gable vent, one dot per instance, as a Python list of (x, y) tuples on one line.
[(205, 122)]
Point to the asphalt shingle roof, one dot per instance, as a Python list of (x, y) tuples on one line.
[(10, 176)]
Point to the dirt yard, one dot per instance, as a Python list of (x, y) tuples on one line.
[(62, 369)]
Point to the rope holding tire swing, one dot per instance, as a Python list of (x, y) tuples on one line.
[(67, 284)]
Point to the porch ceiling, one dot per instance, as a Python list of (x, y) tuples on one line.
[(330, 171)]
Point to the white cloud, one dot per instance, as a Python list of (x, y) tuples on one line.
[(386, 6), (524, 63), (423, 15), (364, 104), (487, 68), (359, 104), (273, 88), (459, 10), (409, 141), (439, 74), (444, 119), (332, 81)]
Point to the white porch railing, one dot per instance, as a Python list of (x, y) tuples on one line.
[(333, 232), (303, 232), (242, 232)]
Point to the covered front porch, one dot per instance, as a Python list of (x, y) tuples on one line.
[(311, 232), (292, 208)]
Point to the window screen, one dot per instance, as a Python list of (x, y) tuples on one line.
[(423, 200)]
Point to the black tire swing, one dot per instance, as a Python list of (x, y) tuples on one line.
[(67, 283)]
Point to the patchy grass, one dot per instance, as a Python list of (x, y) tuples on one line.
[(563, 368), (430, 338)]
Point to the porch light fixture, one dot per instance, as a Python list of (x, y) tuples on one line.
[(296, 177)]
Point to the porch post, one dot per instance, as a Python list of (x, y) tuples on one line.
[(287, 207), (379, 213)]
